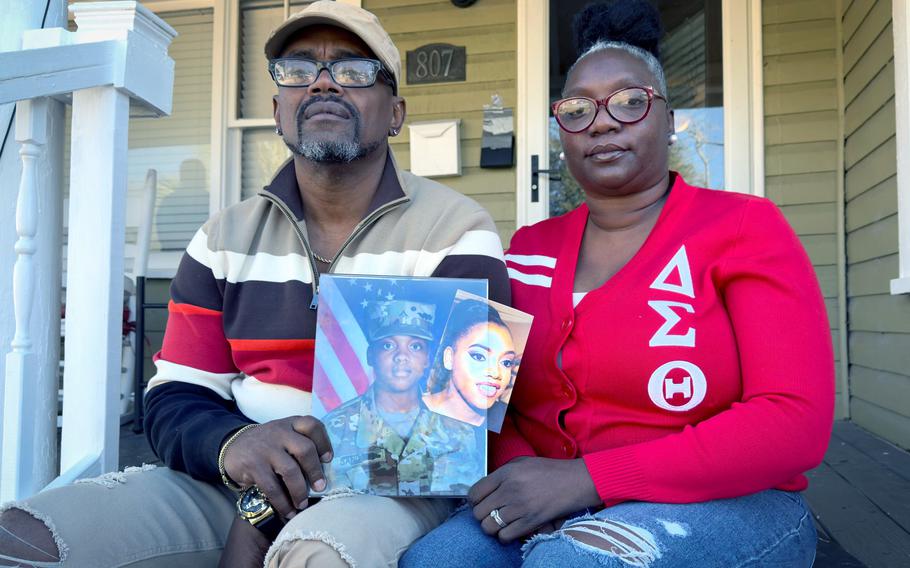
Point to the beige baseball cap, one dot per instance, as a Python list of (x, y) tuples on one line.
[(358, 21)]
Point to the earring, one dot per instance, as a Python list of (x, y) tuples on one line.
[(672, 139), (562, 156), (278, 131), (393, 132)]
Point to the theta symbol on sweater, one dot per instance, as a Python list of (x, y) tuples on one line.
[(691, 386)]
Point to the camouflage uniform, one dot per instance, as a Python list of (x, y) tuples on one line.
[(442, 456)]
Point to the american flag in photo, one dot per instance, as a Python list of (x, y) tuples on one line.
[(340, 371)]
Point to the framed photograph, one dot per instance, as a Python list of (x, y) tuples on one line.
[(477, 361), (376, 340)]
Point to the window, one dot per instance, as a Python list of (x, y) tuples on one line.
[(177, 146), (252, 141)]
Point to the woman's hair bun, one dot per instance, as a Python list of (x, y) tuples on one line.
[(636, 22)]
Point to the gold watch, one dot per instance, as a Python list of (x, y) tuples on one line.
[(254, 507)]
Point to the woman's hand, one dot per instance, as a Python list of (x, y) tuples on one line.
[(524, 494)]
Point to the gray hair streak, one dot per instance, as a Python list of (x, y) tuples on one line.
[(653, 64)]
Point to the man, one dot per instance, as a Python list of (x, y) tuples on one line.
[(386, 441), (238, 349)]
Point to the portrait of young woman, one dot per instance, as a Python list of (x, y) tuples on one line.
[(475, 368)]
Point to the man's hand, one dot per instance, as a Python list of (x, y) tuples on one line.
[(283, 458), (532, 494)]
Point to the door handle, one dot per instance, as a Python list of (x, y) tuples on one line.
[(535, 177)]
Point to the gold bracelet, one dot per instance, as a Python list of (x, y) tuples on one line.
[(224, 476)]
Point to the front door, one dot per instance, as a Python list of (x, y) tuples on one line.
[(697, 35)]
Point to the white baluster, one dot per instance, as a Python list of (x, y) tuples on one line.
[(15, 481)]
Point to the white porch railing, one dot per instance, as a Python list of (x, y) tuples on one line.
[(118, 54)]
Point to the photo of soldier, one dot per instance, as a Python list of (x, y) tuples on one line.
[(386, 441)]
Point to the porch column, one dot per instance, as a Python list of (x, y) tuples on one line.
[(94, 277)]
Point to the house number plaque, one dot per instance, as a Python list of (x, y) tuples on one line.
[(436, 63)]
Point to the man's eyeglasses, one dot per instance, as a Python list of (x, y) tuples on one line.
[(349, 73), (628, 106)]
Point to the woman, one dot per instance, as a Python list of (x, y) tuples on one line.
[(475, 367), (678, 380)]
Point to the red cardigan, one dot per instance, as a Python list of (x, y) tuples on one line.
[(703, 369)]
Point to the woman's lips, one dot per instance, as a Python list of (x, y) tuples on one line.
[(605, 153), (488, 390)]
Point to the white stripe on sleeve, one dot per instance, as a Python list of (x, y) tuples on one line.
[(530, 279), (168, 372), (532, 260)]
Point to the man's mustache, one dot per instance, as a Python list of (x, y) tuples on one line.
[(301, 110)]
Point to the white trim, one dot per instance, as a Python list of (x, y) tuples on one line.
[(233, 183), (221, 19), (233, 135), (900, 13), (744, 145), (251, 122), (757, 97), (233, 62), (532, 86), (161, 6), (164, 6), (843, 347)]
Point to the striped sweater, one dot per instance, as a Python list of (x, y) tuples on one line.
[(238, 347)]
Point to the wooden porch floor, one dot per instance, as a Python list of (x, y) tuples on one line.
[(860, 496)]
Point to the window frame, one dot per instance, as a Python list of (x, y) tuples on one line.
[(900, 15)]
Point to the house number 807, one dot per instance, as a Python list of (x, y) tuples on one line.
[(434, 64)]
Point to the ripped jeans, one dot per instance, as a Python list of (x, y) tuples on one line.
[(157, 517), (771, 528)]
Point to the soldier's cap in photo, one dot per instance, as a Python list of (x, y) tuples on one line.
[(400, 317)]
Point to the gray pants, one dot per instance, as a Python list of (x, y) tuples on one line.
[(146, 517)]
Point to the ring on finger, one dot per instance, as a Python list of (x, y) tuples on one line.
[(496, 517)]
